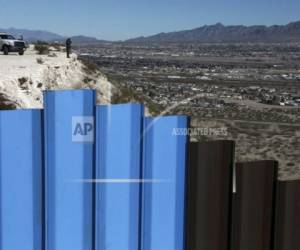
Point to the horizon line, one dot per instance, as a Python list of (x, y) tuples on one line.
[(153, 34)]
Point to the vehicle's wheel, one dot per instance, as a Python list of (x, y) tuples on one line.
[(5, 50), (21, 52)]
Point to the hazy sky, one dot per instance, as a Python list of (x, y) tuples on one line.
[(121, 19)]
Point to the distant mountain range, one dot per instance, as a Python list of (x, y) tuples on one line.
[(238, 33), (205, 34), (38, 35), (33, 35)]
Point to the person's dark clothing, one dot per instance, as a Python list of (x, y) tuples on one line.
[(68, 47)]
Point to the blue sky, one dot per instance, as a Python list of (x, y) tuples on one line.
[(121, 19)]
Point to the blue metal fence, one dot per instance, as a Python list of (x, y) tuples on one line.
[(69, 161), (66, 187), (118, 154), (68, 182), (164, 164), (21, 180)]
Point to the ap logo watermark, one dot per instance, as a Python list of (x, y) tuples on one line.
[(83, 129)]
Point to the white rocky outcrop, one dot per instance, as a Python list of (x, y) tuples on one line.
[(23, 78)]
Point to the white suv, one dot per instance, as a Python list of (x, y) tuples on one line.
[(10, 44)]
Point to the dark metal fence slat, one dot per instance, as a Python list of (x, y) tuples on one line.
[(287, 227), (209, 194), (254, 208)]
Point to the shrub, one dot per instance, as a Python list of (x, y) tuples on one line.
[(89, 65), (56, 46), (39, 60), (42, 48), (22, 80), (127, 94)]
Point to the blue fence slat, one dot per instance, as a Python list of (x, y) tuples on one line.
[(163, 213), (69, 154), (118, 164), (20, 180)]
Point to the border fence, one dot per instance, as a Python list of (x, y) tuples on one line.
[(81, 176)]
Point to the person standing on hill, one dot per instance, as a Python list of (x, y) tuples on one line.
[(68, 47)]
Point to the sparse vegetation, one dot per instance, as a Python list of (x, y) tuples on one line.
[(57, 46), (89, 65), (87, 80), (52, 55), (251, 90), (125, 95), (42, 48), (39, 60), (23, 83), (5, 104), (22, 80)]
